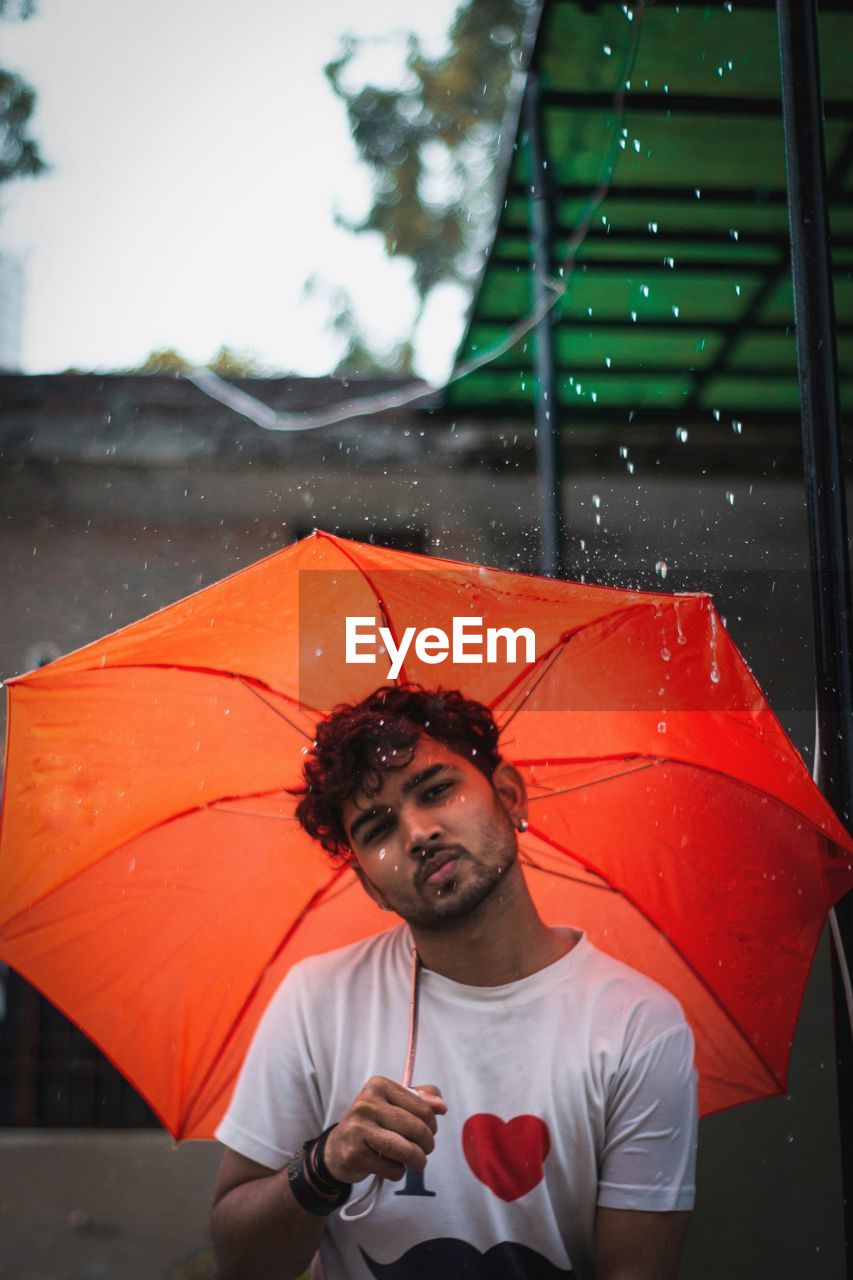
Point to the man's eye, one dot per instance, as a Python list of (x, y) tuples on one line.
[(377, 831), (437, 789)]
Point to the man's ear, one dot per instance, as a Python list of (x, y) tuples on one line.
[(368, 886), (511, 791)]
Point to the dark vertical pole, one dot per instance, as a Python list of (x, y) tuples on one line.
[(814, 313), (547, 406)]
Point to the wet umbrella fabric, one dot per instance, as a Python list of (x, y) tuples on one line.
[(155, 885)]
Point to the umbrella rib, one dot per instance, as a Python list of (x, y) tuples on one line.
[(554, 652), (247, 685), (688, 764), (585, 786), (569, 853), (528, 861), (137, 835), (402, 679), (312, 902), (552, 656), (252, 683)]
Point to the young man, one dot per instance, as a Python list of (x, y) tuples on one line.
[(556, 1134)]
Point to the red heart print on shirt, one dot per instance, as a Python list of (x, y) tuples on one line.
[(508, 1156)]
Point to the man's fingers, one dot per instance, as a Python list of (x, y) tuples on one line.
[(394, 1147), (425, 1106), (431, 1094), (407, 1125), (387, 1130), (381, 1165)]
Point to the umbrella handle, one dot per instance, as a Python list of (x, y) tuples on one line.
[(834, 928), (365, 1202)]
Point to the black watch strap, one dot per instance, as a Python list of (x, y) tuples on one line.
[(304, 1181)]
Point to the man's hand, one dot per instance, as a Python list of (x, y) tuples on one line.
[(387, 1130)]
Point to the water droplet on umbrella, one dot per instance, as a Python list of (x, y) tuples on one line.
[(665, 654), (661, 726)]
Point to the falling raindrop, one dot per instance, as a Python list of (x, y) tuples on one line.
[(661, 568), (644, 290), (730, 497), (737, 427), (596, 500), (623, 451), (681, 432), (676, 311)]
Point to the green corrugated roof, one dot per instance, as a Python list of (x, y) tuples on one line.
[(680, 304)]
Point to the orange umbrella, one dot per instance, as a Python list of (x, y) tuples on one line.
[(155, 885)]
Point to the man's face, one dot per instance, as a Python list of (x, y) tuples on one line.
[(436, 840)]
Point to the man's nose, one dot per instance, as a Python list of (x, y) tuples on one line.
[(420, 832)]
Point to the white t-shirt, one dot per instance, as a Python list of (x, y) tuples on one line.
[(568, 1089)]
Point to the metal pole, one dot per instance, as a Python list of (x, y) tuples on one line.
[(547, 406), (814, 314)]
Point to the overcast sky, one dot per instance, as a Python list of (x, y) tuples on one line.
[(197, 158)]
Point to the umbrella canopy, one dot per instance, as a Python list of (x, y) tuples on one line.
[(155, 885)]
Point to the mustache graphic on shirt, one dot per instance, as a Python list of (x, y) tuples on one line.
[(456, 1258)]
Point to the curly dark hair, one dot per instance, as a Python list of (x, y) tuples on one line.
[(359, 743)]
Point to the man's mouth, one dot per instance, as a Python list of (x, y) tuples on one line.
[(440, 869), (443, 872)]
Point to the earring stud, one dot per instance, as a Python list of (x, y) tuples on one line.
[(522, 824)]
